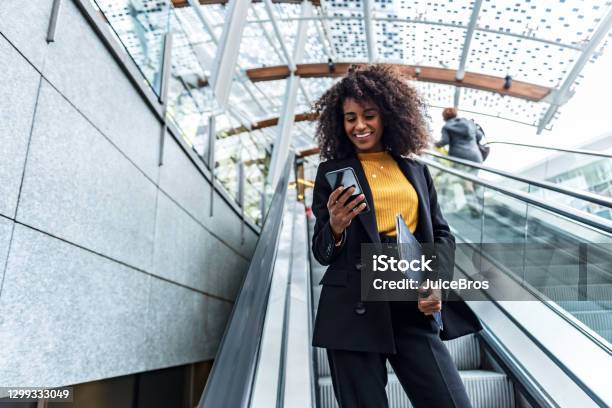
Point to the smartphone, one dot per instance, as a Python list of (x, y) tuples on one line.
[(345, 177)]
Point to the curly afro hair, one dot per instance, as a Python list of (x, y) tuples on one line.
[(402, 111)]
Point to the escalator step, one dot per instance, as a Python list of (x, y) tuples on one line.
[(598, 292), (596, 319), (606, 334), (323, 364), (558, 275), (486, 389), (465, 352), (584, 305)]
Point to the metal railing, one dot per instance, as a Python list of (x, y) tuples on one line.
[(582, 195), (231, 379), (558, 149), (584, 218)]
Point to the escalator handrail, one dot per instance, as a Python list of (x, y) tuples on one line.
[(532, 390), (538, 343), (539, 296), (558, 149), (231, 379), (582, 195), (311, 315), (584, 218)]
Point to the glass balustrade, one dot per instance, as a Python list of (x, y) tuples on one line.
[(534, 190), (141, 27), (577, 170), (558, 258)]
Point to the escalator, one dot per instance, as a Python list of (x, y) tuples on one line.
[(584, 289), (561, 256), (530, 353)]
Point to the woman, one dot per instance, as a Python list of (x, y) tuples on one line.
[(371, 120), (462, 136)]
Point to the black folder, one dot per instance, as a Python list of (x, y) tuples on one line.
[(409, 248)]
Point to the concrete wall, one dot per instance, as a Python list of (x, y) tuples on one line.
[(109, 263)]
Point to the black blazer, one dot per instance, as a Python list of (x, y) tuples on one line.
[(343, 321)]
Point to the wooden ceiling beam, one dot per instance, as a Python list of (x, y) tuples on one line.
[(519, 89), (185, 3), (438, 75), (309, 152), (300, 117)]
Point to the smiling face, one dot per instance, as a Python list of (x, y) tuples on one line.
[(363, 125)]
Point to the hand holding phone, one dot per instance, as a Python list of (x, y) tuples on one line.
[(346, 201), (345, 177), (343, 207)]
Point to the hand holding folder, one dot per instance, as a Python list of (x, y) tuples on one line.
[(409, 248)]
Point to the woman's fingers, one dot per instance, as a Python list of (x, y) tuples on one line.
[(338, 197), (333, 197), (357, 209), (435, 307), (429, 306), (346, 202), (352, 209), (345, 196), (343, 207), (429, 301)]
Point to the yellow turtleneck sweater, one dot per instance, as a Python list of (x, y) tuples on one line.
[(391, 191)]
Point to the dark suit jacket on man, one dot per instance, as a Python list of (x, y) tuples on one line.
[(343, 321)]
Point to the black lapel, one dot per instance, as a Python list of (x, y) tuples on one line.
[(368, 220), (418, 182)]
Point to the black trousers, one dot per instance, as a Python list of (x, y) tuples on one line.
[(422, 364)]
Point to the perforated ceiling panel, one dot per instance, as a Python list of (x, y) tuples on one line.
[(525, 60), (317, 86), (507, 107), (438, 95), (442, 12), (255, 50), (256, 107), (260, 44), (567, 22), (347, 29), (538, 42), (419, 44), (272, 89), (314, 50)]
